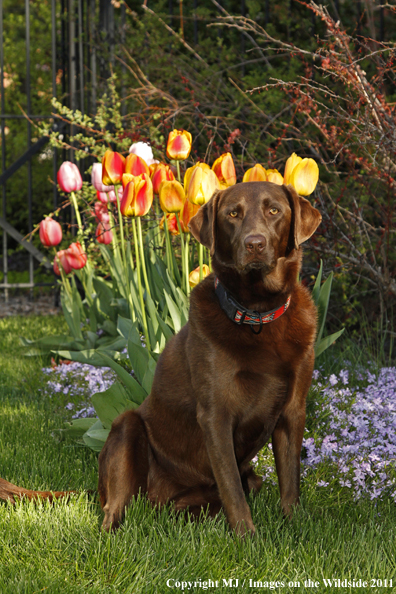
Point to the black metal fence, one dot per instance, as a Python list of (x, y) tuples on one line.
[(83, 35)]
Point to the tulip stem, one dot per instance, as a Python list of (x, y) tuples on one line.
[(142, 306), (186, 263), (169, 260), (78, 217), (121, 229), (178, 171), (64, 279), (200, 256), (140, 237), (182, 248)]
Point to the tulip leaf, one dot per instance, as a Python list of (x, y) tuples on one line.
[(111, 403), (124, 326), (323, 304), (326, 342), (96, 436), (110, 328), (316, 289), (174, 312), (78, 427), (104, 297), (138, 355), (149, 375)]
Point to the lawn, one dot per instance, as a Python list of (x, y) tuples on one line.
[(60, 547)]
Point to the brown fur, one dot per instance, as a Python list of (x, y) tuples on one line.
[(220, 392)]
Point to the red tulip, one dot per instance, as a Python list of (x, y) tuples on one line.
[(50, 232), (101, 213), (96, 179), (62, 259), (138, 197), (179, 145), (113, 166), (69, 177), (171, 222), (76, 256), (224, 168), (135, 165), (104, 233), (162, 173)]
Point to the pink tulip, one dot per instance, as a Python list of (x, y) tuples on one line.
[(101, 213), (76, 256), (69, 177), (106, 197), (62, 258), (104, 233), (96, 179), (50, 232)]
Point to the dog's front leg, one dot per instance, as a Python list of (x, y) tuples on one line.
[(287, 439), (217, 428)]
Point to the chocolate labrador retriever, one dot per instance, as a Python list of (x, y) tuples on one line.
[(234, 376)]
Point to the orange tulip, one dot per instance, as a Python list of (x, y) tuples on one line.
[(274, 176), (162, 173), (171, 196), (179, 145), (136, 165), (291, 163), (171, 222), (193, 278), (138, 197), (189, 210), (256, 173), (202, 184), (112, 168), (224, 168), (304, 177)]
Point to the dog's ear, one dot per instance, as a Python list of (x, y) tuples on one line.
[(305, 219), (203, 224)]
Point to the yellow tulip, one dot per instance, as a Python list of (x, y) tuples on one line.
[(274, 176), (202, 183), (305, 176), (256, 173), (193, 278), (224, 168), (291, 163), (171, 196)]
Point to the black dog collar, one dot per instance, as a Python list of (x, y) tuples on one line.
[(240, 315)]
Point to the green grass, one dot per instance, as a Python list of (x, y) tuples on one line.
[(60, 547)]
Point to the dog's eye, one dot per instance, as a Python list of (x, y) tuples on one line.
[(233, 214), (274, 211)]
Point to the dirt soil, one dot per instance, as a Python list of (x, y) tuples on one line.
[(22, 304)]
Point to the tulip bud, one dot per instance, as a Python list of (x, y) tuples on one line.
[(69, 177), (161, 173), (291, 163), (202, 184), (171, 222), (137, 197), (96, 179), (179, 145), (76, 256), (50, 232), (225, 170), (61, 259), (305, 176), (274, 176), (113, 165), (104, 233), (193, 278), (135, 165), (101, 213), (254, 174), (189, 210), (171, 196)]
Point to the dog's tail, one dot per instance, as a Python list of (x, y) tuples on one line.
[(10, 492)]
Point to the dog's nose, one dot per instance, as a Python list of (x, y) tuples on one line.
[(255, 243)]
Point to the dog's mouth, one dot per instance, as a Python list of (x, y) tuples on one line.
[(258, 264)]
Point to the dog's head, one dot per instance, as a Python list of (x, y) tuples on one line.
[(250, 225)]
